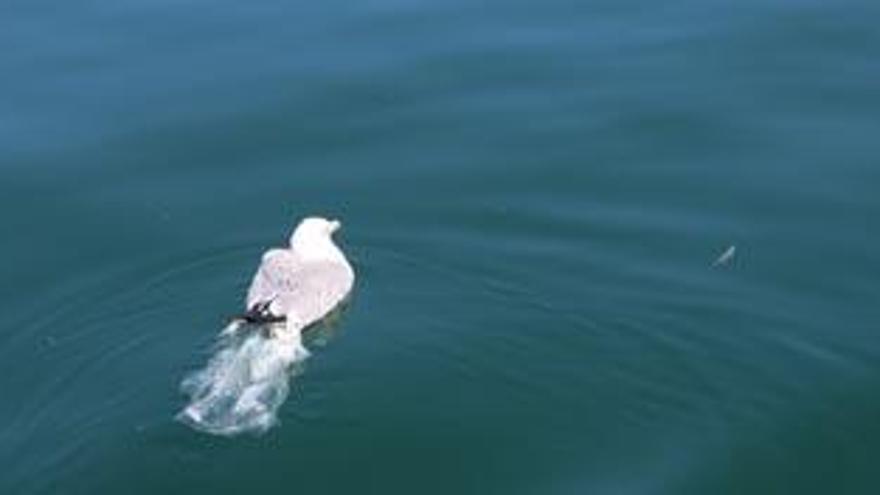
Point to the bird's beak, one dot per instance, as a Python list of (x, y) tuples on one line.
[(335, 225)]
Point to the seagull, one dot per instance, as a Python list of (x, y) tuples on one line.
[(301, 284)]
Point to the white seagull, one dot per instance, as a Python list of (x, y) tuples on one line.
[(301, 284)]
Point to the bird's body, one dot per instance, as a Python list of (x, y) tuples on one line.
[(303, 283)]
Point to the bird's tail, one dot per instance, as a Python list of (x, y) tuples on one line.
[(258, 314)]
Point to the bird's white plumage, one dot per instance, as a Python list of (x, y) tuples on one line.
[(305, 281)]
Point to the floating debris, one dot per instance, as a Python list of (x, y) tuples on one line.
[(726, 257)]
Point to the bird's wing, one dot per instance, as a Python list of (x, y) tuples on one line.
[(308, 290), (276, 273)]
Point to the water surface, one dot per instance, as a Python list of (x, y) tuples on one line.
[(533, 196)]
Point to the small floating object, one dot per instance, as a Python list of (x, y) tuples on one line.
[(726, 257)]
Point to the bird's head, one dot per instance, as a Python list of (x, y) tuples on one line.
[(313, 236)]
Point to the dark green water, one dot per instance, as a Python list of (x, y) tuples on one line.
[(533, 195)]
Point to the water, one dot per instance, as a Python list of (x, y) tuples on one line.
[(534, 194), (245, 382)]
